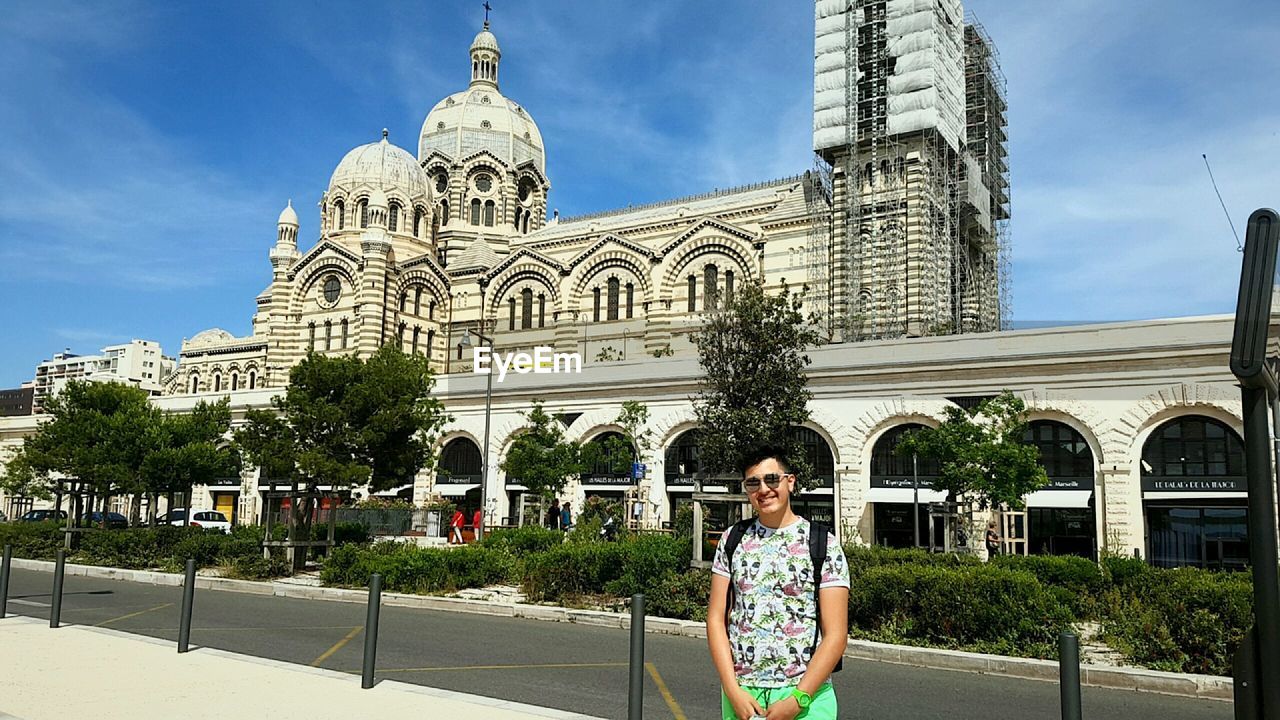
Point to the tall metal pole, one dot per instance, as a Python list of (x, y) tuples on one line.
[(188, 600), (371, 631), (55, 608), (1262, 545), (488, 403), (915, 500), (4, 579), (635, 685), (1069, 675)]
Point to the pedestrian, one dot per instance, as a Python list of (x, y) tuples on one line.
[(553, 515), (566, 518), (455, 524), (477, 524), (777, 618), (993, 540)]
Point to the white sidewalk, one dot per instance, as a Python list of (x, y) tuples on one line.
[(77, 671)]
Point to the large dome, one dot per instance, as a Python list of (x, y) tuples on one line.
[(480, 118), (382, 166)]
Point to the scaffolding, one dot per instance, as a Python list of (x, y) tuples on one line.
[(919, 219)]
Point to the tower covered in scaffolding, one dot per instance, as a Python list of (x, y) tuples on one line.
[(909, 117)]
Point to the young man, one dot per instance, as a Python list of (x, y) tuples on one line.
[(765, 654)]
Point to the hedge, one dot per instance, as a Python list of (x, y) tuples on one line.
[(411, 569), (980, 608)]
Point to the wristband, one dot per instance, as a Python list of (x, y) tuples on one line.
[(803, 699)]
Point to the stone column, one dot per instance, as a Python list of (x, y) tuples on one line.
[(1122, 528), (371, 296)]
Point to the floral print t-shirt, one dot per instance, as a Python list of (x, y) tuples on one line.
[(773, 619)]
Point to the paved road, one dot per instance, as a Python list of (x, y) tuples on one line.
[(572, 667)]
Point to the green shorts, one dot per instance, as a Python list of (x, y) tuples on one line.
[(823, 706)]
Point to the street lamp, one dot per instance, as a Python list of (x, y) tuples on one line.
[(488, 402)]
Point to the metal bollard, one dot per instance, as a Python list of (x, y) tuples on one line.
[(371, 631), (1069, 675), (188, 598), (55, 608), (635, 687), (4, 580)]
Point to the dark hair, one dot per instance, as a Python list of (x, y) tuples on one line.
[(762, 453)]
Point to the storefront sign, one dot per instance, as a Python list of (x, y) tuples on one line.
[(607, 480), (449, 479), (1069, 484), (1193, 485), (899, 482)]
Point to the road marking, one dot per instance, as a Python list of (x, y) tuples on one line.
[(268, 627), (134, 614), (337, 646), (666, 694), (507, 667), (32, 603)]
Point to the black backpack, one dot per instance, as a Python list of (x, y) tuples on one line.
[(817, 554)]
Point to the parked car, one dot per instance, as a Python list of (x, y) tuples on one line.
[(43, 515), (207, 519), (115, 521)]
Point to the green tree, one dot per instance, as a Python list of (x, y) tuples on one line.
[(345, 421), (754, 386), (189, 449), (540, 457), (981, 453), (98, 434), (22, 480)]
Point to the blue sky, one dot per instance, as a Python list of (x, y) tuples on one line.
[(147, 148)]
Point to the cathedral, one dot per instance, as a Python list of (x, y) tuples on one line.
[(416, 250)]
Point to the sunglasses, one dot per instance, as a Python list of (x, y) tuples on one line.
[(773, 480)]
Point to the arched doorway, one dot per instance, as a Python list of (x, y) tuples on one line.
[(1060, 517), (1194, 499), (899, 483), (610, 478), (459, 474), (818, 503)]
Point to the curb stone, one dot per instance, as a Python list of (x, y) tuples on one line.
[(1138, 679)]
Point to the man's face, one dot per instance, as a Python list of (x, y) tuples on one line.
[(766, 499)]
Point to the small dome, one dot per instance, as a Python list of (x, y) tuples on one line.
[(486, 40), (477, 255), (382, 166), (287, 215), (481, 118), (212, 336)]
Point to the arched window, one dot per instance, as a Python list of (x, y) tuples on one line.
[(235, 382), (475, 212), (344, 333), (253, 379), (542, 310), (340, 214), (900, 168), (363, 205), (1193, 446), (818, 453), (431, 342), (417, 222), (1063, 451), (869, 174), (431, 310), (311, 337), (511, 313), (613, 299), (195, 383), (526, 309), (417, 302), (595, 316), (682, 457), (631, 296), (217, 382), (711, 275), (475, 68), (444, 213), (404, 301), (489, 208), (416, 334), (616, 457), (460, 461), (884, 170), (519, 211), (393, 216), (693, 292), (892, 469), (728, 286), (328, 335), (525, 229)]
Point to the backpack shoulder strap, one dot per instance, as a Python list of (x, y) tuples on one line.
[(819, 536), (732, 537)]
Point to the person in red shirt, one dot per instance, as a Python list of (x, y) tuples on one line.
[(456, 523), (477, 521)]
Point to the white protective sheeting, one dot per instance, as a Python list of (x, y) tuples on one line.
[(1059, 498), (926, 89), (1192, 495), (449, 490), (904, 495)]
